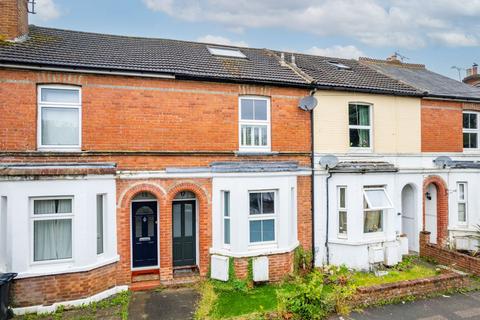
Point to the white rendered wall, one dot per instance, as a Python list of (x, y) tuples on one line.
[(3, 233), (84, 232), (239, 187)]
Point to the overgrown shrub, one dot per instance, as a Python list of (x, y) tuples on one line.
[(309, 299), (302, 260)]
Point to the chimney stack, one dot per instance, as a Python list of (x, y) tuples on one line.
[(472, 78), (13, 20)]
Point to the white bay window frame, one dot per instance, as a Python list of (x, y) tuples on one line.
[(375, 208), (226, 216), (262, 217), (50, 217), (255, 125), (462, 199), (471, 130), (342, 209), (58, 105)]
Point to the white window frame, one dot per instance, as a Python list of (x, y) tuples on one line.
[(241, 122), (464, 201), (43, 104), (371, 208), (48, 217), (477, 131), (369, 127), (261, 216), (342, 209), (224, 217), (104, 219)]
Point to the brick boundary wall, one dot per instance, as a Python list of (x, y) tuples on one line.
[(417, 288), (46, 290), (279, 266), (448, 257)]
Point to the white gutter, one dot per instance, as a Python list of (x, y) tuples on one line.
[(93, 71)]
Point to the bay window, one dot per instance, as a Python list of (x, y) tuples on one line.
[(52, 229), (360, 125), (375, 202), (262, 217), (226, 217), (470, 130), (342, 210), (462, 202), (59, 114), (254, 124), (100, 222)]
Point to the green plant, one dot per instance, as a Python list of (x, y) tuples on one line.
[(309, 300), (302, 260)]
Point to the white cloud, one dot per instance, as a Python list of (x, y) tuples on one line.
[(346, 52), (455, 39), (221, 40), (399, 23), (46, 10)]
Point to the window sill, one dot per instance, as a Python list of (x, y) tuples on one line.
[(56, 149), (360, 150), (253, 153)]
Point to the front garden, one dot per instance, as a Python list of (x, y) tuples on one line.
[(316, 294)]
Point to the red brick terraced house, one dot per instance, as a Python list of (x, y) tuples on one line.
[(133, 162), (449, 163)]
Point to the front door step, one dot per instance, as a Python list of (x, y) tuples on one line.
[(145, 277)]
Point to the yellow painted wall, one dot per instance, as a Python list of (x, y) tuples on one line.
[(396, 122)]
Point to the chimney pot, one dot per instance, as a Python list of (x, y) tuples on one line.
[(13, 19), (474, 69)]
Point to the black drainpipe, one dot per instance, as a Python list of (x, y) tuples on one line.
[(327, 248)]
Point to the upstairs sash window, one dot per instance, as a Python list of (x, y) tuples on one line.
[(254, 124)]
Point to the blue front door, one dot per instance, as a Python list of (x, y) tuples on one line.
[(144, 234)]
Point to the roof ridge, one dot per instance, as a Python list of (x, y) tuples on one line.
[(393, 63)]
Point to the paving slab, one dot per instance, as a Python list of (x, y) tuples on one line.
[(168, 304)]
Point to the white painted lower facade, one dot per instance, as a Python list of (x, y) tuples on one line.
[(17, 227), (405, 189)]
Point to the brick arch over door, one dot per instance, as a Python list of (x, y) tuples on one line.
[(124, 220), (442, 207), (204, 226)]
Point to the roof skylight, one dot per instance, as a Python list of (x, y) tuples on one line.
[(339, 65), (226, 52)]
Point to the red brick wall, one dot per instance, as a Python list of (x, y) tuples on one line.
[(13, 19), (47, 290), (442, 129), (304, 212), (448, 257), (279, 266), (140, 114)]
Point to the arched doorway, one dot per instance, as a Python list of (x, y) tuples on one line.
[(144, 231), (431, 211), (184, 230), (409, 220)]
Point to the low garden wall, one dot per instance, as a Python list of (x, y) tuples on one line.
[(448, 257), (410, 288)]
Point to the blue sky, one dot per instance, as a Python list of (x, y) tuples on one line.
[(438, 33)]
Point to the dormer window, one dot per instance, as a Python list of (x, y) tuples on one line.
[(339, 65), (226, 52)]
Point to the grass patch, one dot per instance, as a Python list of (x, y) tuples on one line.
[(415, 271), (116, 305)]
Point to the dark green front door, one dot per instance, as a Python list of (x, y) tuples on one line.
[(184, 233)]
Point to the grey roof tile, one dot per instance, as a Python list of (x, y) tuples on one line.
[(431, 83)]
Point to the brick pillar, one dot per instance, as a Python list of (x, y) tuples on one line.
[(424, 241), (13, 19)]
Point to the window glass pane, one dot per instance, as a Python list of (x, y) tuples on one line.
[(188, 220), (255, 231), (466, 120), (260, 110), (461, 191), (462, 217), (378, 198), (470, 140), (52, 206), (151, 226), (256, 136), (185, 195), (268, 228), (342, 198), (226, 231), (264, 136), (177, 221), (255, 203), (352, 115), (363, 115), (247, 109), (52, 239), (342, 222), (60, 126), (138, 227), (100, 223), (60, 95), (373, 221), (471, 121), (359, 138), (268, 199), (226, 203)]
